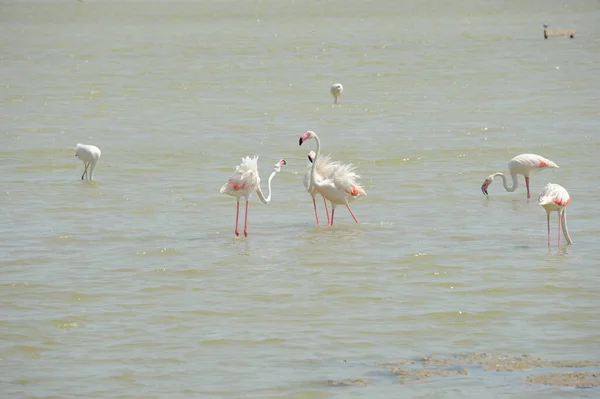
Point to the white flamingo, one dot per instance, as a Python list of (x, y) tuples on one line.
[(324, 167), (336, 90), (524, 164), (89, 154), (243, 182), (340, 187), (555, 197)]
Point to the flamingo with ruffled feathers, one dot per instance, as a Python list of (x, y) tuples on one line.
[(524, 164), (340, 186), (324, 167), (243, 182), (555, 198)]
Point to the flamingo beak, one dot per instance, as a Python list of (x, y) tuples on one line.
[(282, 162), (300, 141), (484, 189), (310, 159)]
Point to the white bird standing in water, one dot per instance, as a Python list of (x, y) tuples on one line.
[(336, 90), (524, 164), (555, 197), (325, 166), (246, 180), (89, 154), (340, 187)]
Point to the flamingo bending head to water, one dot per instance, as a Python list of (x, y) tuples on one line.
[(340, 186), (336, 90), (243, 182), (524, 164), (89, 154), (555, 197)]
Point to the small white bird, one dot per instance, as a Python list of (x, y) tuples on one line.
[(336, 90), (89, 154), (555, 197)]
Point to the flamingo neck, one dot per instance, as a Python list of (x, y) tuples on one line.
[(313, 179), (515, 181), (260, 193), (563, 221)]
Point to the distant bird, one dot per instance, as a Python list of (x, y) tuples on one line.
[(554, 197), (340, 186), (243, 182), (524, 164), (89, 154), (324, 167), (336, 90), (557, 32)]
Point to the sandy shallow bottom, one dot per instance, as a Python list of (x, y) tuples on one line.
[(530, 370)]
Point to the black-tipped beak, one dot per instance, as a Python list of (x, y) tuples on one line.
[(283, 162), (310, 159), (484, 190), (300, 141)]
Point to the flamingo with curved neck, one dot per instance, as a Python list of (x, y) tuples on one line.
[(523, 164), (243, 182), (276, 169), (555, 198), (340, 186)]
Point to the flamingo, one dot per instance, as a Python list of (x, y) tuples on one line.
[(336, 90), (243, 182), (554, 197), (340, 187), (524, 164), (324, 168), (89, 154)]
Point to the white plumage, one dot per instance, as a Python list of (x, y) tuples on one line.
[(523, 164), (336, 90), (555, 198), (89, 154)]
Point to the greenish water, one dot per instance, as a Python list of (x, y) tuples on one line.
[(134, 286)]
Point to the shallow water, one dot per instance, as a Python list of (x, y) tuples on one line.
[(133, 285)]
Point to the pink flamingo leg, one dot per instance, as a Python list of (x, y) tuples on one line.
[(548, 217), (559, 228), (352, 213), (316, 213), (246, 221), (527, 185), (237, 215), (332, 212), (327, 212)]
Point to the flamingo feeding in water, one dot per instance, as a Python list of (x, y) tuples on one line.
[(336, 90), (524, 164), (340, 186), (243, 182), (89, 154), (552, 198), (324, 167)]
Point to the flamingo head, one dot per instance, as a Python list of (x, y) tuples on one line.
[(308, 135), (311, 156), (488, 180), (279, 164)]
